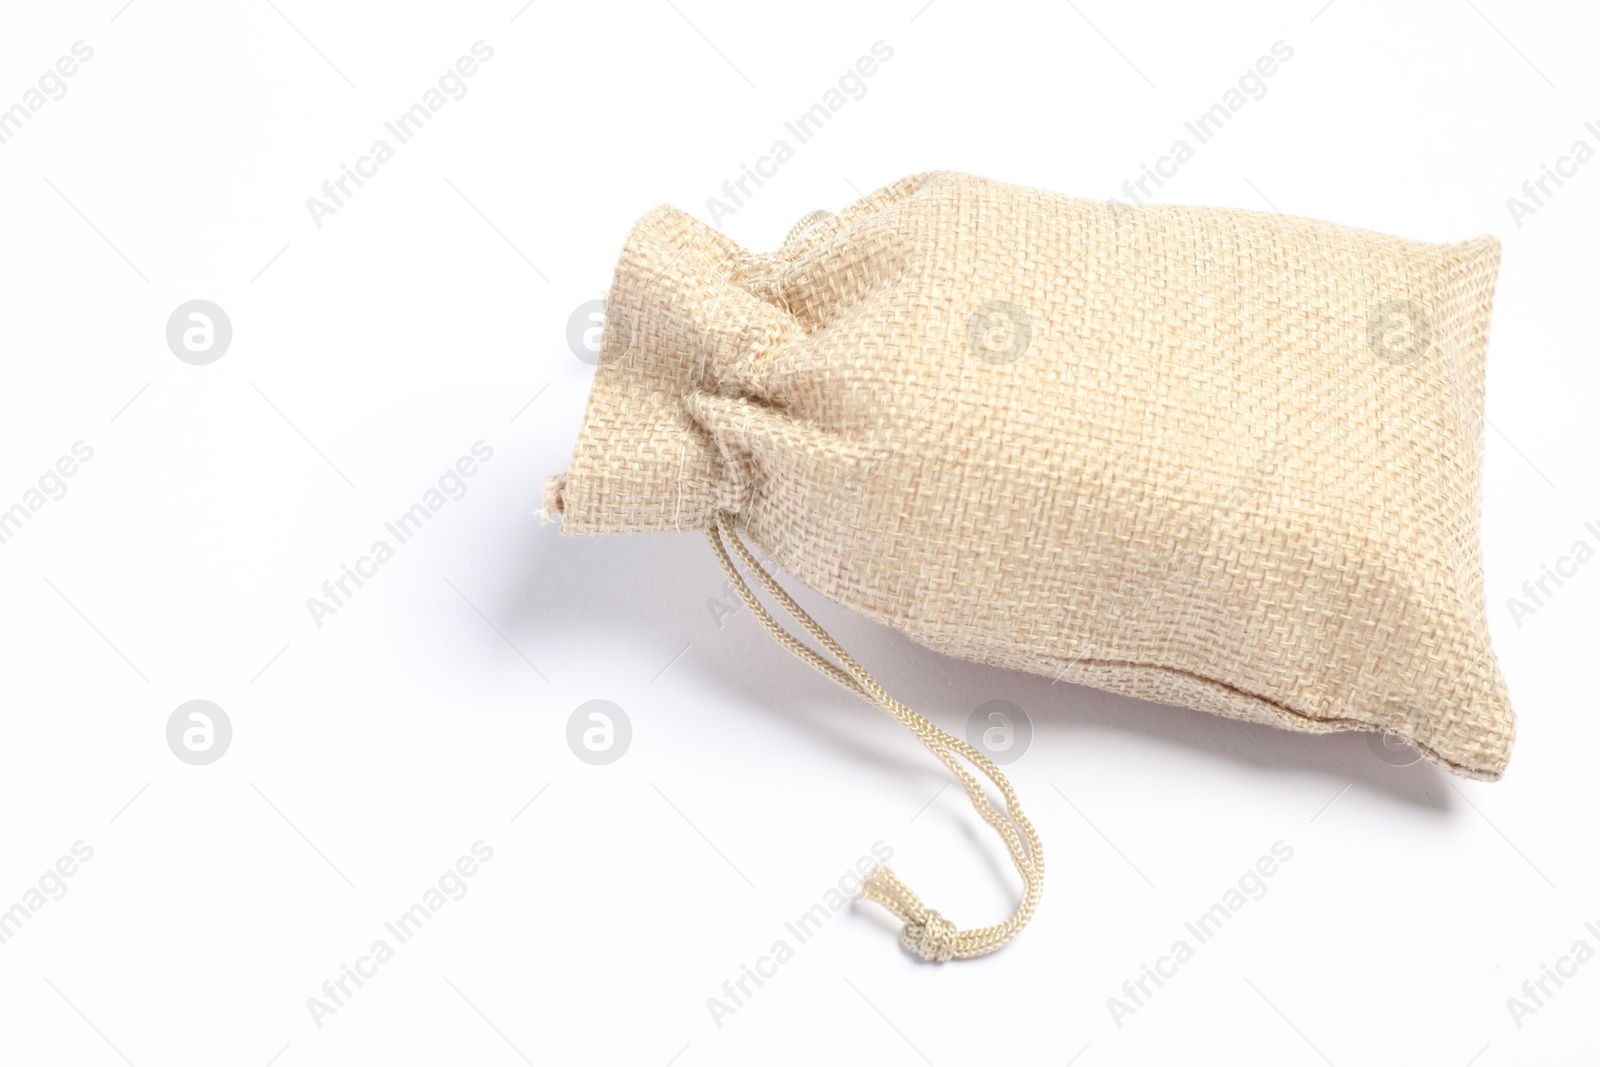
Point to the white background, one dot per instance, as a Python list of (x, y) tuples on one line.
[(368, 754)]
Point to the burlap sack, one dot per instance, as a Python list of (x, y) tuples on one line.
[(1222, 459)]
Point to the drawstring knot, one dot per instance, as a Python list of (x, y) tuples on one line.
[(926, 933), (934, 939)]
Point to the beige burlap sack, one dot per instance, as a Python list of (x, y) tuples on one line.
[(1222, 459)]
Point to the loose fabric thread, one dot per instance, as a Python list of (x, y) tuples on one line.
[(926, 933)]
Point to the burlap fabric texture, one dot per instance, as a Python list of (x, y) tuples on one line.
[(1222, 459)]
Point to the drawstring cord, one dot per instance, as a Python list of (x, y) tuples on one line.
[(925, 933)]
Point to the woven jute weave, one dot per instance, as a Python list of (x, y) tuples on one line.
[(1222, 459)]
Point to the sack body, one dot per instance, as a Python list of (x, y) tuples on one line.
[(1222, 459)]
